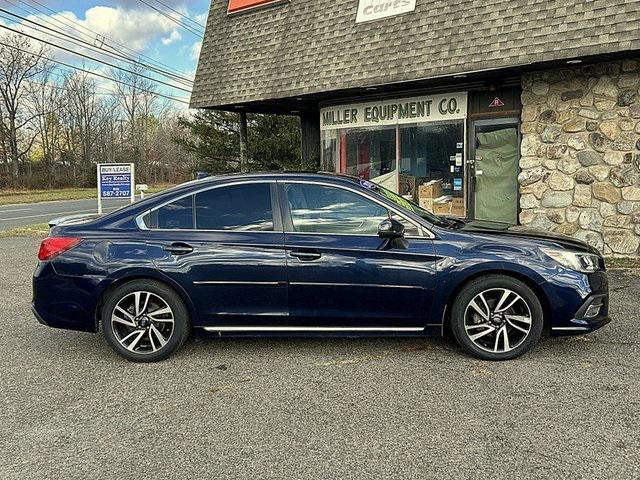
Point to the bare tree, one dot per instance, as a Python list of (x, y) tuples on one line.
[(84, 111), (17, 68), (48, 100), (141, 107)]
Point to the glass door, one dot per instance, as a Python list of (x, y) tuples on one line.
[(494, 168)]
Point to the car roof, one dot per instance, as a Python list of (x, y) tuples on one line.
[(277, 175)]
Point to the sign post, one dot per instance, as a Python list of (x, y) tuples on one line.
[(115, 180)]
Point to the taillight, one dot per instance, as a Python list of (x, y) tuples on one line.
[(54, 246)]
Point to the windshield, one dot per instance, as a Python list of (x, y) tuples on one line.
[(404, 203)]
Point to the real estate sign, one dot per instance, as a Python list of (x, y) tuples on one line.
[(115, 180)]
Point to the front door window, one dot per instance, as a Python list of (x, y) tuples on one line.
[(323, 209)]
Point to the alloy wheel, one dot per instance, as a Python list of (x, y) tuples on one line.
[(142, 322), (497, 320)]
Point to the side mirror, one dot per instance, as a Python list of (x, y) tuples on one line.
[(390, 228)]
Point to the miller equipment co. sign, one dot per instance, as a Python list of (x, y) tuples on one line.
[(375, 9)]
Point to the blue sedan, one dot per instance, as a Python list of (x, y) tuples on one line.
[(310, 254)]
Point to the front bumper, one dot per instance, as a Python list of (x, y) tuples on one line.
[(579, 303), (591, 315)]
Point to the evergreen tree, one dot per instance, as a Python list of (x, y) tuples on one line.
[(214, 140)]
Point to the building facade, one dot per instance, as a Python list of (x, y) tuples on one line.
[(517, 111)]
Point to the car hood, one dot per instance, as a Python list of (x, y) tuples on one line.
[(507, 229)]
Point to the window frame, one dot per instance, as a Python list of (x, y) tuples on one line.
[(275, 209), (288, 222)]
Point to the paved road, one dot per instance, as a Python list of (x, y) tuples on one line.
[(314, 409), (12, 216)]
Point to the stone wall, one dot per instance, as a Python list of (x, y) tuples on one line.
[(580, 157)]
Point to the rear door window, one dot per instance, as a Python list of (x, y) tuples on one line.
[(175, 215), (245, 207)]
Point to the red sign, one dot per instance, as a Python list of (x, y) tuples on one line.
[(240, 5), (496, 103)]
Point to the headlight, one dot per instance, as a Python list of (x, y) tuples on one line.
[(579, 261)]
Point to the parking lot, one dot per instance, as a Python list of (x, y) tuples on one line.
[(314, 408)]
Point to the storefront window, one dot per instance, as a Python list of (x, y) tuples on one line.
[(434, 151), (329, 161), (369, 153), (402, 144)]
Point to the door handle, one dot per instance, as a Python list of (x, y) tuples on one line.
[(178, 248), (305, 255)]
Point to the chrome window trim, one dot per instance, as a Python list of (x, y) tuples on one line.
[(421, 228), (140, 221), (425, 232)]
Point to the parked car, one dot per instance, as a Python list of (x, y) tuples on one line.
[(310, 254)]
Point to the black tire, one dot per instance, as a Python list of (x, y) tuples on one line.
[(492, 288), (114, 332)]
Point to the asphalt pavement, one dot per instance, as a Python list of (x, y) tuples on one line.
[(18, 215), (314, 408)]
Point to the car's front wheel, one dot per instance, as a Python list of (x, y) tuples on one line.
[(145, 321), (496, 318)]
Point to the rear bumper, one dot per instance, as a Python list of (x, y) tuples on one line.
[(65, 302), (37, 315)]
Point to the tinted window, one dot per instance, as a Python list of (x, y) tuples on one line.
[(178, 214), (322, 209), (238, 207)]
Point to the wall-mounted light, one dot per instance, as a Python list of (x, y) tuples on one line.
[(371, 89), (460, 75), (575, 61)]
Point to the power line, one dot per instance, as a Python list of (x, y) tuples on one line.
[(90, 72), (88, 46), (181, 14), (174, 20), (93, 36), (95, 59)]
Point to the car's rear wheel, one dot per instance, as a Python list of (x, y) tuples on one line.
[(145, 321), (497, 318)]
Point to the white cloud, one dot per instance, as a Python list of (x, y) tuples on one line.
[(195, 50), (173, 38), (202, 18)]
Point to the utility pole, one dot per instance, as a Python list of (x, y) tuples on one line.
[(243, 141)]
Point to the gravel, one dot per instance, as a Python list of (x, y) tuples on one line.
[(314, 408)]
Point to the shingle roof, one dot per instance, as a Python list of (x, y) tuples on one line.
[(310, 46)]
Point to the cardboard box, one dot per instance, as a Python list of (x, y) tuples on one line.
[(457, 210), (457, 202), (426, 203), (442, 208), (432, 189)]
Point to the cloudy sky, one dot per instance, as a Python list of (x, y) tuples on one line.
[(130, 23)]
